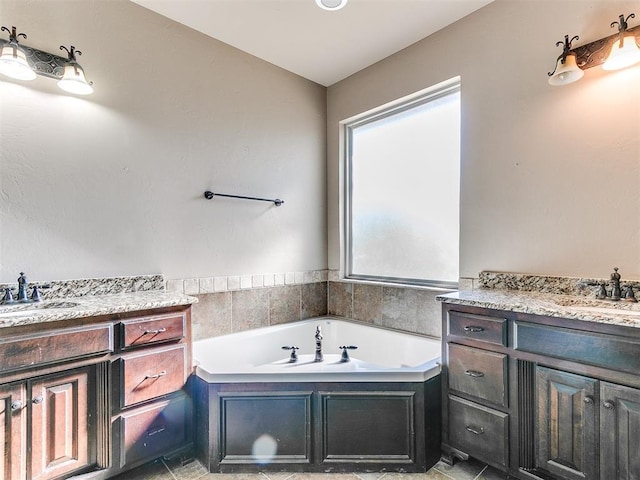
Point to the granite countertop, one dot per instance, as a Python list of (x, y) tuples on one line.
[(551, 304), (88, 306)]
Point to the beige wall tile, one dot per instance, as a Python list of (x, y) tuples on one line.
[(211, 316), (284, 304)]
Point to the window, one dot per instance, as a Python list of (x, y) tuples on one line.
[(402, 189)]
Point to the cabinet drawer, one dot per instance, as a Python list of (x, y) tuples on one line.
[(478, 373), (143, 331), (150, 431), (609, 351), (480, 431), (54, 346), (151, 374), (478, 327)]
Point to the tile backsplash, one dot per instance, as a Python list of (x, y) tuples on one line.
[(262, 300), (235, 311)]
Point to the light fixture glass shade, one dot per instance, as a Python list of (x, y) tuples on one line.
[(331, 4), (13, 63), (566, 73), (622, 57), (73, 80)]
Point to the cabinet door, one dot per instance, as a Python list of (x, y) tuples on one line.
[(619, 432), (566, 428), (12, 432), (59, 424)]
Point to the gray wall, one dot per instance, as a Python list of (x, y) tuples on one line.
[(550, 176), (112, 184)]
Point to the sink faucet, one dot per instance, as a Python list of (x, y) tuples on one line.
[(23, 296), (22, 288), (616, 291), (318, 345)]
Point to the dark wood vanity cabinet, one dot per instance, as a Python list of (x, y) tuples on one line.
[(566, 424), (94, 396), (541, 397)]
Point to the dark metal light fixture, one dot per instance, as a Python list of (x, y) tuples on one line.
[(13, 61), (625, 51), (567, 70), (73, 79), (614, 52), (23, 63)]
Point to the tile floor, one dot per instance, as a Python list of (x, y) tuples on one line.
[(168, 470)]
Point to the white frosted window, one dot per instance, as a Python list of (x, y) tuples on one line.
[(403, 189)]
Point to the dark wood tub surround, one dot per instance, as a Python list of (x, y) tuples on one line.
[(95, 396), (319, 427), (541, 397)]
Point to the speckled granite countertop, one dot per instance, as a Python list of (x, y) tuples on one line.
[(88, 306), (551, 304)]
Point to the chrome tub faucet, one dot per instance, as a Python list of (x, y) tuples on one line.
[(318, 357)]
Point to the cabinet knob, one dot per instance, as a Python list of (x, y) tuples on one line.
[(38, 399), (608, 405), (588, 400), (17, 405)]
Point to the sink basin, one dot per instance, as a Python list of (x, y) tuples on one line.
[(599, 306), (606, 310), (21, 309)]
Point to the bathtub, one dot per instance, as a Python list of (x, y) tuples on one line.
[(256, 355), (257, 411)]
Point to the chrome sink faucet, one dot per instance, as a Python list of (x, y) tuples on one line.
[(318, 357)]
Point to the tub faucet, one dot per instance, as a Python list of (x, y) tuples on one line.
[(344, 358), (294, 356), (318, 345)]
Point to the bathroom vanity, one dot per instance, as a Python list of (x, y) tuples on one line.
[(541, 386), (94, 389)]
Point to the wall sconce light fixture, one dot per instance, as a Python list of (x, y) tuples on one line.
[(331, 4), (614, 52), (567, 70), (23, 63), (13, 61)]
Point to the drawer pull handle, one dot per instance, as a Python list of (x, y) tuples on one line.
[(474, 430), (588, 400), (17, 405), (474, 373), (608, 405), (156, 431), (157, 375), (473, 329), (155, 332), (38, 399)]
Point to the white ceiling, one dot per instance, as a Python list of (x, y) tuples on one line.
[(323, 46)]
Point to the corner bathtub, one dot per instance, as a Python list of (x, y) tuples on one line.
[(256, 411)]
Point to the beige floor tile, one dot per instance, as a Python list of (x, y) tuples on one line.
[(491, 473), (277, 475), (468, 470), (325, 476), (430, 475), (149, 471), (370, 476), (233, 476), (189, 471)]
